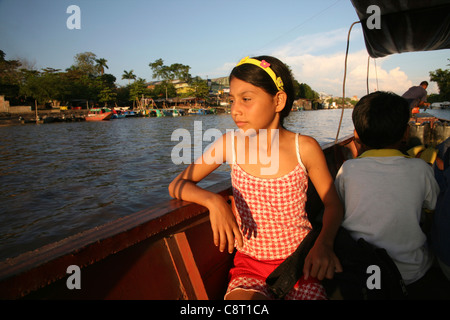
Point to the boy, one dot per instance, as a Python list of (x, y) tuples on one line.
[(384, 191)]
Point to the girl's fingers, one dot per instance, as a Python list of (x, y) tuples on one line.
[(306, 268), (330, 273), (223, 240), (216, 237), (321, 273), (314, 270), (230, 236)]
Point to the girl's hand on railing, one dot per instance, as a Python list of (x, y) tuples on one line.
[(224, 226)]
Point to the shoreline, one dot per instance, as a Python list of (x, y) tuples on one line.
[(56, 115), (44, 116)]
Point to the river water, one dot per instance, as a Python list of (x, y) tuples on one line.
[(63, 178)]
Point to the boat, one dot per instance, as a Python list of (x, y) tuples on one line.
[(117, 116), (440, 105), (99, 114), (202, 111), (164, 252), (129, 114), (178, 112), (156, 113), (197, 111), (173, 112)]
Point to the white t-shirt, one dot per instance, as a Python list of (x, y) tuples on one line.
[(383, 194)]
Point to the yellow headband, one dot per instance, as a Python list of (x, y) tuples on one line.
[(266, 67)]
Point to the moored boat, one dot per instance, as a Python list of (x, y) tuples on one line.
[(99, 114), (197, 111), (156, 113)]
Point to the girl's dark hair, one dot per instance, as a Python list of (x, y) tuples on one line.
[(259, 78), (381, 119)]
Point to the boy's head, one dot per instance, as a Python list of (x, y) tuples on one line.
[(381, 119)]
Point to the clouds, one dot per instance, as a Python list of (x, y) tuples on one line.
[(318, 59)]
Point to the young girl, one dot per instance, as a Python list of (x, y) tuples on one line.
[(269, 196)]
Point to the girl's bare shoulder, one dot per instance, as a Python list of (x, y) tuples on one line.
[(308, 147), (307, 141)]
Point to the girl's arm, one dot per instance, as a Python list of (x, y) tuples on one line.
[(184, 186), (321, 261)]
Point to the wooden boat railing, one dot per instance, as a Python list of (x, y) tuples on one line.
[(147, 255), (164, 252)]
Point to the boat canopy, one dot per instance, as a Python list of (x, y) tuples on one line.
[(404, 25)]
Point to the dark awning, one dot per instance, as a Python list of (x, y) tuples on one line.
[(406, 26)]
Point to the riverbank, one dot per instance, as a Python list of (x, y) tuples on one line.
[(56, 115), (44, 116)]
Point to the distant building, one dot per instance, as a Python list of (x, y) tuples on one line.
[(4, 105), (180, 85), (303, 104)]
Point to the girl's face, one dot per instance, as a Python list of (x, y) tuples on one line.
[(254, 108)]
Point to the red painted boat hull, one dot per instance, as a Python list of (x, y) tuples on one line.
[(99, 116)]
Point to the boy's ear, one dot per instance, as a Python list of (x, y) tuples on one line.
[(358, 144), (357, 137), (281, 98), (406, 134)]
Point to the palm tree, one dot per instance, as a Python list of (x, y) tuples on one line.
[(101, 65), (128, 75)]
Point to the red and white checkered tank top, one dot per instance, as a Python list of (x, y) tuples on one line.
[(271, 211)]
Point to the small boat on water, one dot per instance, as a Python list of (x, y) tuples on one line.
[(130, 114), (440, 105), (156, 113), (172, 112), (201, 111), (178, 112), (99, 114), (197, 111)]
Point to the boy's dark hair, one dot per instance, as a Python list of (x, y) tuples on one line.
[(381, 119), (259, 78)]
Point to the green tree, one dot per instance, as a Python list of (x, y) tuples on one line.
[(10, 76), (306, 92), (107, 95), (198, 88), (163, 90), (48, 85), (180, 71), (35, 87), (137, 90), (128, 75), (169, 73), (86, 63), (101, 65), (442, 78), (88, 78), (158, 68), (106, 88)]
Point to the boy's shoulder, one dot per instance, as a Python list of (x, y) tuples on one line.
[(397, 161)]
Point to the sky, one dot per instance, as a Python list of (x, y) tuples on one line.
[(210, 36)]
